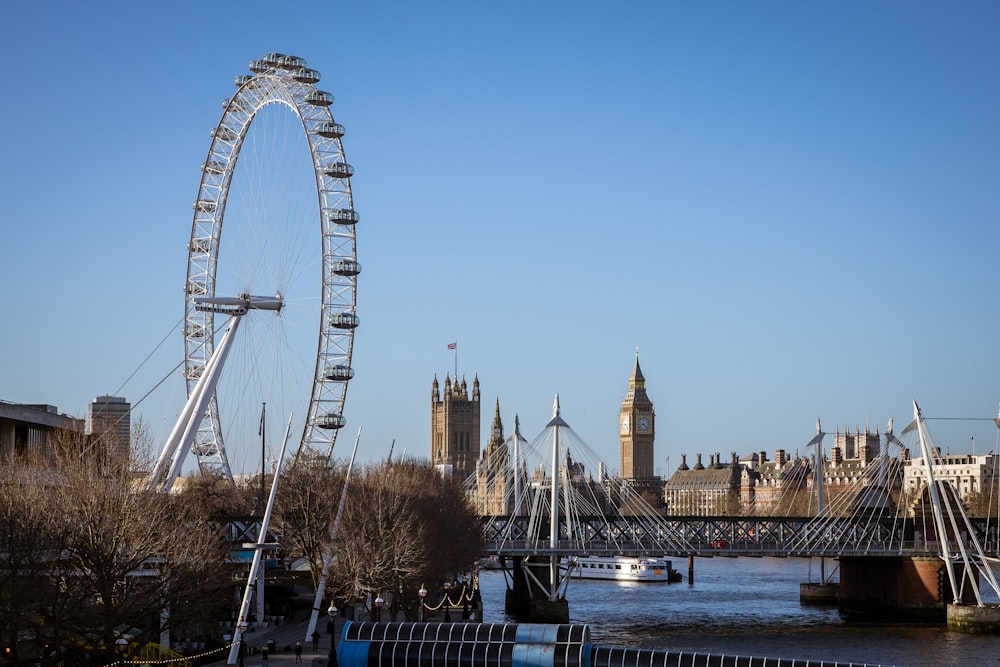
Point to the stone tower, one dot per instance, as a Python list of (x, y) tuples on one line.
[(455, 427), (493, 473), (637, 429)]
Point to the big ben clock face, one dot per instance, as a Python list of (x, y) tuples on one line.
[(643, 424), (625, 424)]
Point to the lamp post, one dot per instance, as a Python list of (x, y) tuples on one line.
[(422, 593), (332, 612), (446, 603), (465, 597), (379, 602), (122, 645), (241, 629)]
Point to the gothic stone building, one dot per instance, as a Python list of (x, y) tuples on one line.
[(455, 427)]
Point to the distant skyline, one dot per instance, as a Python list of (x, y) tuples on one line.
[(790, 208)]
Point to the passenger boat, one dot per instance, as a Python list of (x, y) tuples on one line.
[(620, 568)]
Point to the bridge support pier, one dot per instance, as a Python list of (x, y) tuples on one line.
[(911, 588), (976, 620), (528, 602), (818, 594)]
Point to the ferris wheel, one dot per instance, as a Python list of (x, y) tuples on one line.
[(277, 175)]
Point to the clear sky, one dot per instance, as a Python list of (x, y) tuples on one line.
[(791, 208)]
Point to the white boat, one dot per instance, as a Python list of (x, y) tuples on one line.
[(620, 568)]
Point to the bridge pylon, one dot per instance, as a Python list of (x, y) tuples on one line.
[(534, 595)]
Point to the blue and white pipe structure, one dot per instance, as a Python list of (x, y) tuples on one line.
[(517, 645)]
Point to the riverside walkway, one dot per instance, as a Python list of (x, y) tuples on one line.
[(285, 636)]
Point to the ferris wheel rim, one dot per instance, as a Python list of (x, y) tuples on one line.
[(278, 79)]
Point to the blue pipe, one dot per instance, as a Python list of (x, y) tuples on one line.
[(516, 645)]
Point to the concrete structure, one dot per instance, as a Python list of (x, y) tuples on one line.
[(905, 587), (28, 429), (455, 428)]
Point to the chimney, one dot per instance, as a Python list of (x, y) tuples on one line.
[(698, 465), (684, 463), (779, 457), (761, 458), (836, 456)]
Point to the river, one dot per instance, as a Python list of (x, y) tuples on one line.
[(750, 607)]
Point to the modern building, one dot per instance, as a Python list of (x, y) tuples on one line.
[(455, 423), (27, 430), (109, 417)]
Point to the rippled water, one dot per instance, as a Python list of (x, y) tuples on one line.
[(750, 606)]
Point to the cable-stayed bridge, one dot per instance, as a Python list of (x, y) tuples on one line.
[(541, 506)]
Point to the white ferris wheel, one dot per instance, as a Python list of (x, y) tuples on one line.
[(277, 176)]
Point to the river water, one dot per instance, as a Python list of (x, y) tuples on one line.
[(750, 607)]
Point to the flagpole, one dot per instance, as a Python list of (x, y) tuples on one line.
[(456, 360), (263, 411)]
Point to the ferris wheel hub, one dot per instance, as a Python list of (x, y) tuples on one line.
[(238, 305)]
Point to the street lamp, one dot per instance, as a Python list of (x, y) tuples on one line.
[(122, 645), (379, 601), (447, 602), (422, 593), (241, 630)]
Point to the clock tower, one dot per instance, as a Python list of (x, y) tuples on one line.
[(636, 428)]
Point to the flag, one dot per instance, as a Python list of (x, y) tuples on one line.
[(452, 346)]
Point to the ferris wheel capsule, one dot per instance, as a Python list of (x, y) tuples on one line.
[(320, 98), (330, 130), (306, 75), (338, 170)]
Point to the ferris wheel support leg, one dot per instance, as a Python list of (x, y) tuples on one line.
[(207, 391), (179, 443), (255, 564), (328, 556)]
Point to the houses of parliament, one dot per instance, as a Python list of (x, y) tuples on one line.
[(754, 484), (456, 441)]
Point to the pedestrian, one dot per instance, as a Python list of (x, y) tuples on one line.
[(298, 651), (315, 636)]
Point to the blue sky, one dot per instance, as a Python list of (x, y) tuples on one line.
[(791, 208)]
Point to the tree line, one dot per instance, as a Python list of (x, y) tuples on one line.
[(88, 555)]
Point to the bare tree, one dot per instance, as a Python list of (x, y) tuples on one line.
[(28, 592), (127, 557), (404, 525), (305, 507)]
